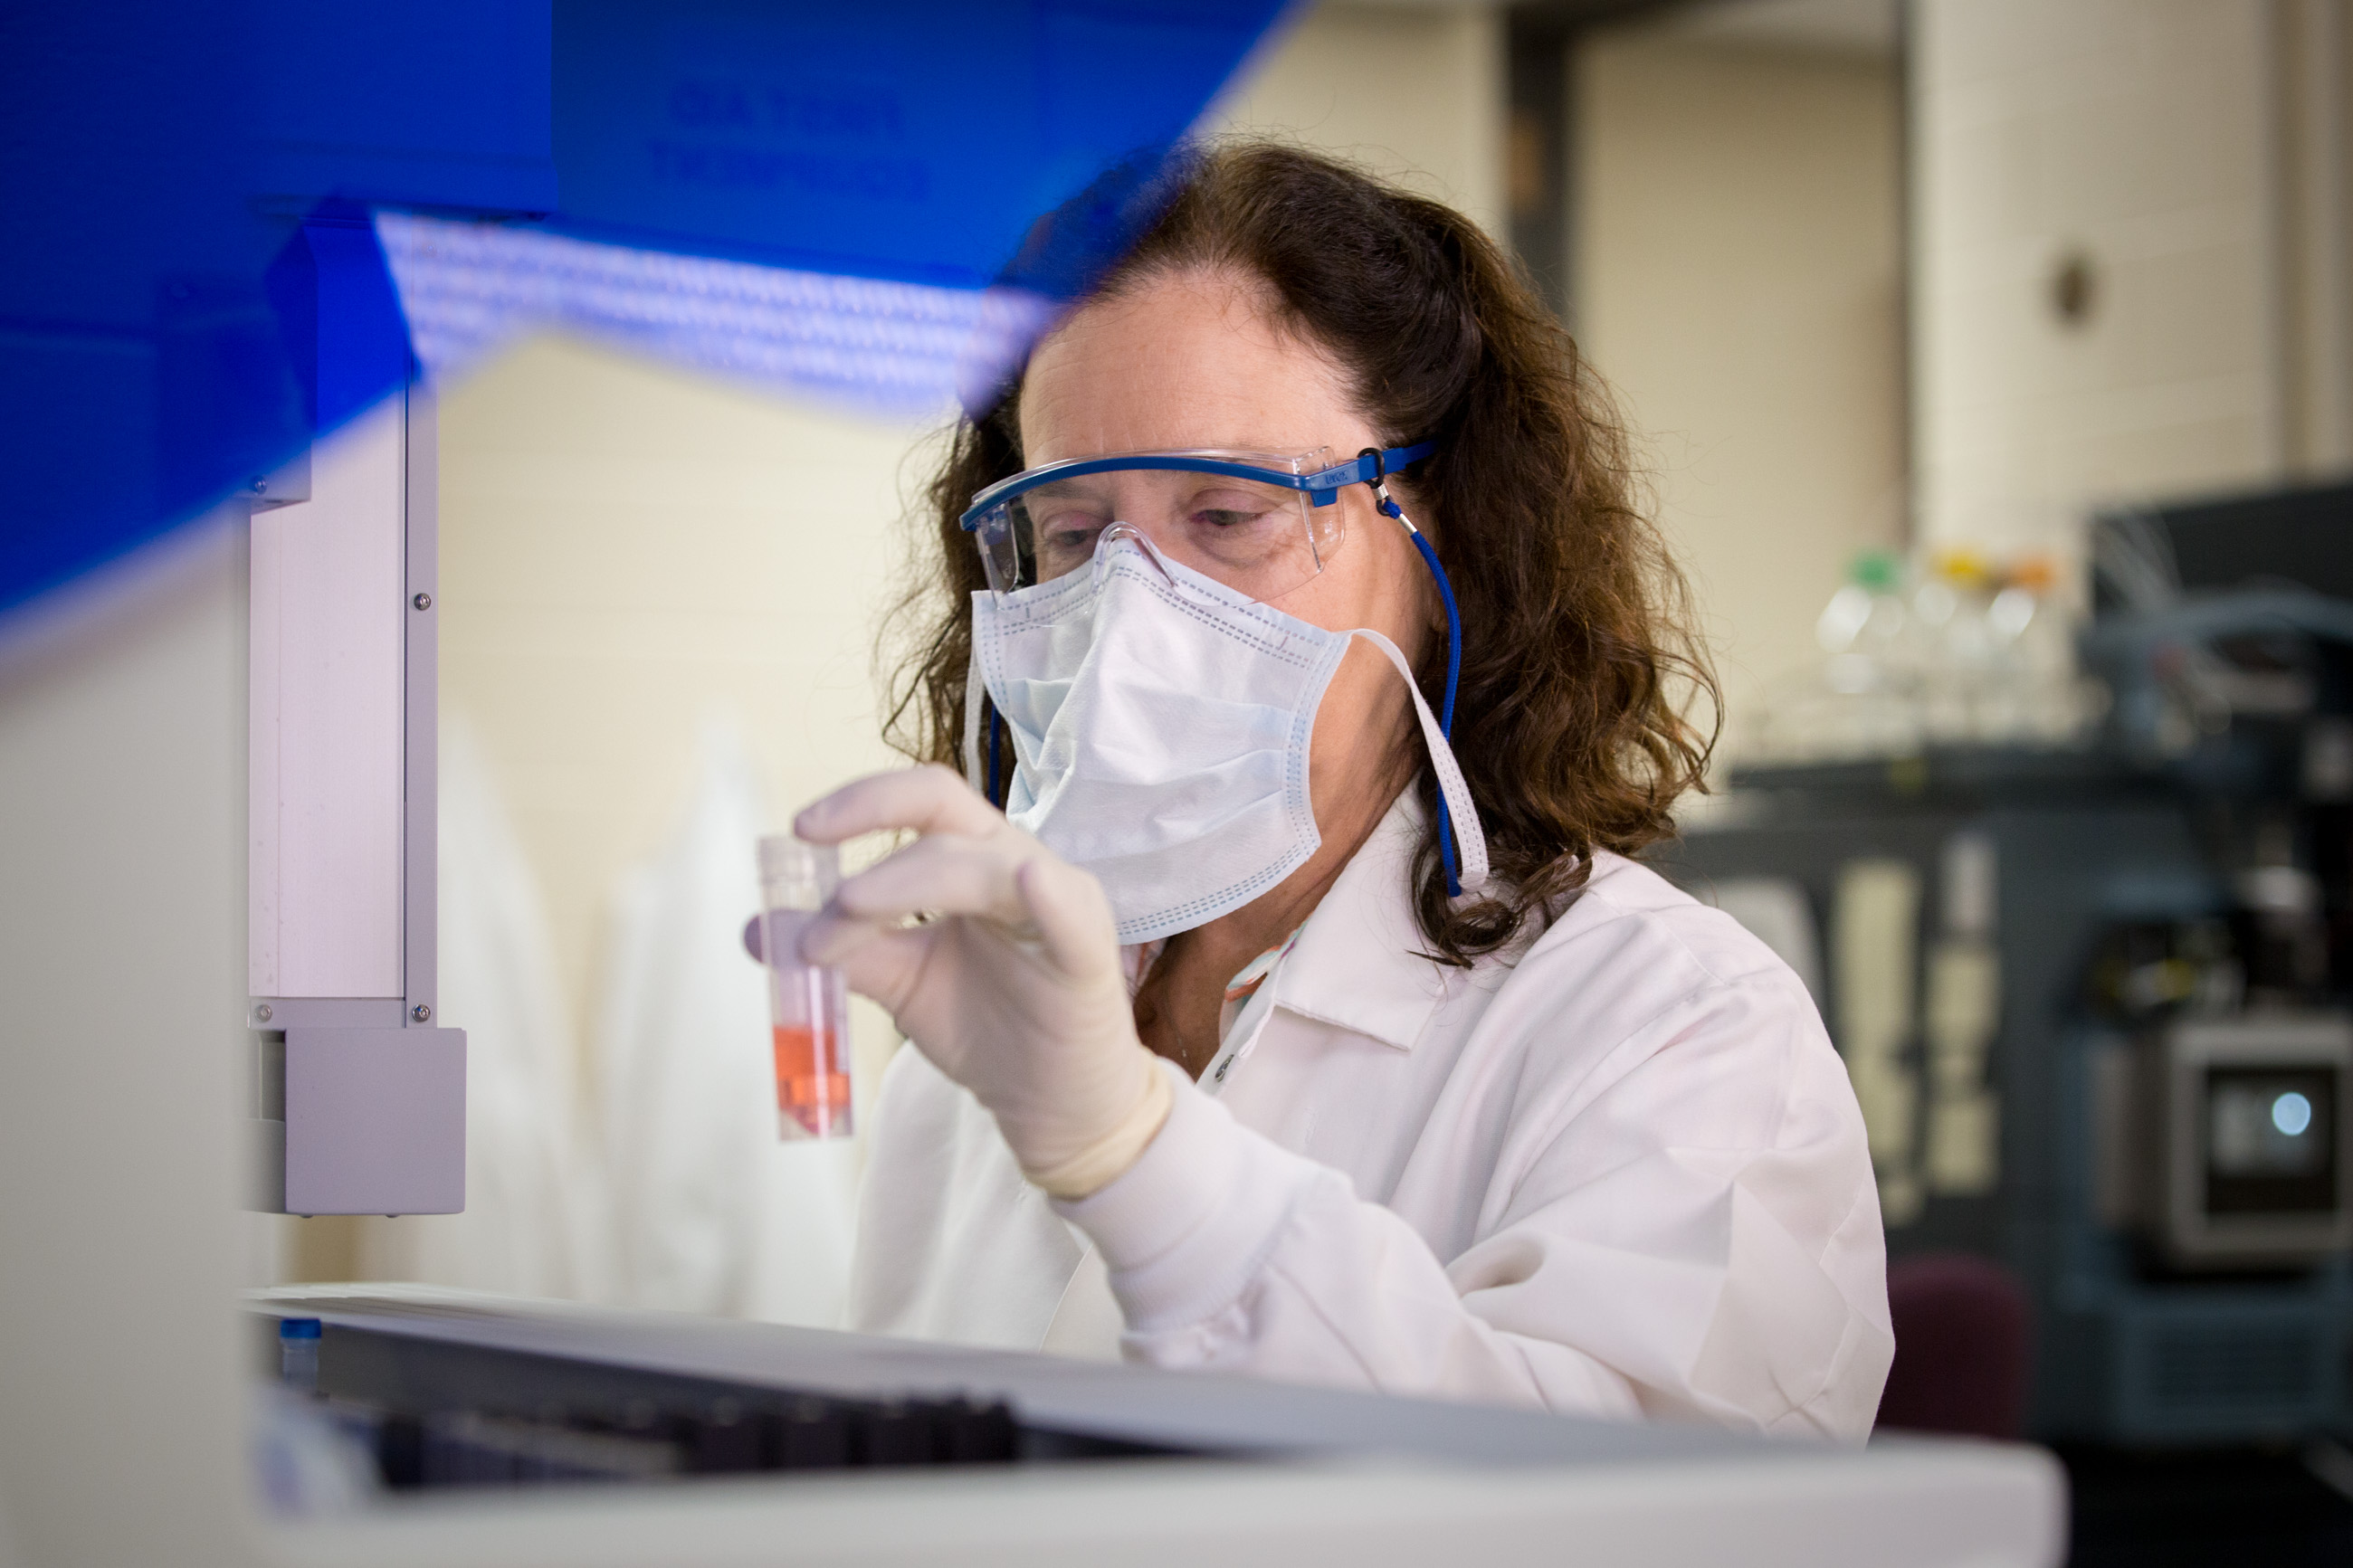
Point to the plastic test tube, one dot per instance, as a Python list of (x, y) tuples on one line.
[(808, 1007)]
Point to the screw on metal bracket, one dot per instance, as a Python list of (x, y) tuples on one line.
[(420, 1012), (262, 1013), (259, 485), (423, 601)]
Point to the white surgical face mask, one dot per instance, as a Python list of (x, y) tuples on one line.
[(1160, 725)]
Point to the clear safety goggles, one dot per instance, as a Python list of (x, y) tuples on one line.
[(1261, 523)]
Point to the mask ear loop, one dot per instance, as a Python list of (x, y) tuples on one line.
[(973, 698), (1390, 508)]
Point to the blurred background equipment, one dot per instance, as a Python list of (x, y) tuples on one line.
[(2093, 989), (2033, 654)]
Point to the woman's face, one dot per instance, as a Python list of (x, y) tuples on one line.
[(1193, 360)]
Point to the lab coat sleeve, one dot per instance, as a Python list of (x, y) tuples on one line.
[(1685, 1226)]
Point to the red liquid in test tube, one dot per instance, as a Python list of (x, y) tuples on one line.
[(808, 1007)]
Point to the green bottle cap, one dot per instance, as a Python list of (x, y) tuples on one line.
[(1880, 571)]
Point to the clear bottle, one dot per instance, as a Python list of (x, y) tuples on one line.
[(1866, 616), (1859, 702), (1955, 647), (298, 1354), (808, 1007), (2042, 702)]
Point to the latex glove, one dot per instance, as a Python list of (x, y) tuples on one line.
[(1013, 986)]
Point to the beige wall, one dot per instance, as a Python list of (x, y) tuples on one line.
[(1413, 92), (2313, 121), (1739, 282), (2133, 131), (2192, 151), (628, 552)]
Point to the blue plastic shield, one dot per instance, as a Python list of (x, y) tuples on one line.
[(234, 226)]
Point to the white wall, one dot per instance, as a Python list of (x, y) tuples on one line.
[(1738, 278), (2157, 139)]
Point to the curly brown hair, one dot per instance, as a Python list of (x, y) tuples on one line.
[(1578, 664)]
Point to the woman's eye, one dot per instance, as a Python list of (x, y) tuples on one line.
[(1066, 532), (1226, 510)]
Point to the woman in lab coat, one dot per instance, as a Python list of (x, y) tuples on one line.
[(1257, 1026)]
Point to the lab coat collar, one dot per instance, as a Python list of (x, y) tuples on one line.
[(1358, 961)]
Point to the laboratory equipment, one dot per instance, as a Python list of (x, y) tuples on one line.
[(2224, 542), (2094, 998), (2043, 1064), (1976, 652), (808, 1005), (458, 1390), (357, 1091), (1861, 699), (2231, 1154), (298, 1354)]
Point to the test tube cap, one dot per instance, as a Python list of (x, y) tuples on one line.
[(298, 1329), (795, 874)]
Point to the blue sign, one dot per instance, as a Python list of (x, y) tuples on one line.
[(194, 279)]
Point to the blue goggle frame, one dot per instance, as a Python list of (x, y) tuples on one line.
[(1321, 486)]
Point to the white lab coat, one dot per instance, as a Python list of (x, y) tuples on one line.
[(1619, 1172), (711, 1213)]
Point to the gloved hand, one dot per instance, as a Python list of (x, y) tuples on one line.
[(1013, 987)]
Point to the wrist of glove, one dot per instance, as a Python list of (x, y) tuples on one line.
[(1082, 1172), (1011, 983)]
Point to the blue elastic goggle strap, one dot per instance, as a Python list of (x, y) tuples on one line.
[(1321, 487), (1446, 711), (1380, 463), (996, 733), (1368, 468)]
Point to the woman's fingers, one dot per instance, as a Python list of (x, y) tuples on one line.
[(969, 862), (928, 799), (1071, 916), (831, 934), (881, 963), (941, 875)]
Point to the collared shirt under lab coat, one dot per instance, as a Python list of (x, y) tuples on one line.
[(1619, 1172)]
